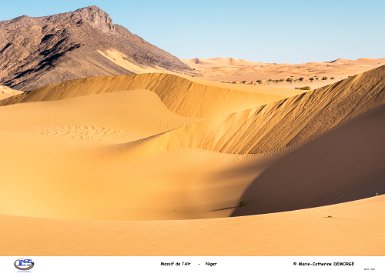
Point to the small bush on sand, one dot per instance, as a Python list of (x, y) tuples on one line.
[(241, 204), (304, 88)]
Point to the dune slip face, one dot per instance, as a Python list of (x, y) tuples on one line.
[(114, 156)]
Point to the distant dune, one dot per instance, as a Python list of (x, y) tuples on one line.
[(312, 74)]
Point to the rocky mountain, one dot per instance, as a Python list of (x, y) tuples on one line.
[(51, 49)]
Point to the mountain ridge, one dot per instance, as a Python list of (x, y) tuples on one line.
[(36, 51)]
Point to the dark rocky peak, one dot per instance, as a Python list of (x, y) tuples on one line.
[(95, 17)]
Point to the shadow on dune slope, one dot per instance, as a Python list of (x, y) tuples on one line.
[(347, 163)]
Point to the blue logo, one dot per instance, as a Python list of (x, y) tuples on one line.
[(24, 264)]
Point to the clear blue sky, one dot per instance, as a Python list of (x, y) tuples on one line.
[(271, 30)]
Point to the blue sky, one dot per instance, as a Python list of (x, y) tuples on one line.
[(272, 31)]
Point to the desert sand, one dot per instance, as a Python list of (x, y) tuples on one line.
[(100, 124), (353, 228), (279, 75), (159, 164), (6, 92)]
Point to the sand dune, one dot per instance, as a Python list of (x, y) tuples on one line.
[(283, 124), (93, 178), (180, 95), (78, 181), (135, 114), (112, 158), (347, 163), (112, 129)]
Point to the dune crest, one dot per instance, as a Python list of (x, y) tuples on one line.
[(181, 95), (284, 124)]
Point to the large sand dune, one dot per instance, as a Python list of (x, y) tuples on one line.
[(280, 125), (86, 133), (346, 163), (164, 149)]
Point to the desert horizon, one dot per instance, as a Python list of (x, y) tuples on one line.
[(110, 145)]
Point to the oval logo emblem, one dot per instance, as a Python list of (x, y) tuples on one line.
[(24, 264)]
